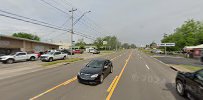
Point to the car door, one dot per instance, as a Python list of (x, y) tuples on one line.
[(199, 85), (20, 56), (105, 69), (194, 85), (57, 55)]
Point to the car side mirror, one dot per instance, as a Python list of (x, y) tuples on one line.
[(105, 67), (190, 75)]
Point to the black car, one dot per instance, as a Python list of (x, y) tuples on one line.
[(190, 84), (95, 71)]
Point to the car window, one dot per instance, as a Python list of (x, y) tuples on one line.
[(200, 75), (57, 53), (96, 64), (21, 54)]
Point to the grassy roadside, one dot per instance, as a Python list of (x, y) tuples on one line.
[(62, 61), (192, 68)]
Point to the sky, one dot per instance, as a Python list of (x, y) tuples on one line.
[(132, 21)]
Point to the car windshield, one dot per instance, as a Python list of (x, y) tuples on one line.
[(13, 53), (95, 64)]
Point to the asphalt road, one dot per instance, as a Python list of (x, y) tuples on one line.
[(139, 77), (180, 61)]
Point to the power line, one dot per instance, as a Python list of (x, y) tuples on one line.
[(26, 17), (52, 27), (54, 7)]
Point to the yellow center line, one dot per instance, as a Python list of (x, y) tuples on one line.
[(116, 82), (62, 84), (110, 87)]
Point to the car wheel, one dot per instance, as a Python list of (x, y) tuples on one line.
[(32, 58), (64, 57), (111, 71), (10, 61), (101, 78), (180, 88), (50, 59)]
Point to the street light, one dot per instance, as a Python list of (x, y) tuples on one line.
[(72, 26)]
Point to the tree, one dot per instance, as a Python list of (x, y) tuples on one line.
[(189, 34), (98, 43), (133, 46), (126, 46), (81, 44), (112, 42), (26, 36)]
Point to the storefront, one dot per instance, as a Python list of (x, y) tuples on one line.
[(9, 44)]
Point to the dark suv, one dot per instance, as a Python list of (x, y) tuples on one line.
[(190, 84)]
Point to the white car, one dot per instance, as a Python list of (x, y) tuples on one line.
[(50, 56), (18, 56)]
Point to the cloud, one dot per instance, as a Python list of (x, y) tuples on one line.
[(133, 21)]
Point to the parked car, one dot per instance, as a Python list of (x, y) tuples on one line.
[(77, 51), (18, 56), (95, 71), (156, 51), (190, 84), (51, 56), (67, 51), (96, 51)]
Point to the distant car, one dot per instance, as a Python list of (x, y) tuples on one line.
[(18, 56), (67, 51), (51, 56), (77, 51), (95, 71), (190, 84), (156, 51), (96, 52)]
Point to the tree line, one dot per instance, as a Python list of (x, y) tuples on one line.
[(112, 42), (188, 34)]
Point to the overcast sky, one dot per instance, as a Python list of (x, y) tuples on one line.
[(132, 21)]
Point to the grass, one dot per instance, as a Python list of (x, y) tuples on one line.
[(192, 68), (62, 61), (147, 51)]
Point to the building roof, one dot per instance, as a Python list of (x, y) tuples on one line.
[(194, 47), (23, 39)]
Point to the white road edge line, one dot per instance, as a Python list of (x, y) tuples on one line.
[(147, 66)]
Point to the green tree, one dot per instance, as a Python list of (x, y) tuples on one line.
[(81, 44), (98, 43), (189, 34), (133, 46), (26, 36), (126, 46)]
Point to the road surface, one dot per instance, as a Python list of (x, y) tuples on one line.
[(136, 76)]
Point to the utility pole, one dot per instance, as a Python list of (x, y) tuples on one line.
[(72, 25), (72, 31)]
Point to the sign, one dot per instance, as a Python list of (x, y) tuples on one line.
[(104, 42), (166, 44)]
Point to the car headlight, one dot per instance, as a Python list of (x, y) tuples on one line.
[(94, 76)]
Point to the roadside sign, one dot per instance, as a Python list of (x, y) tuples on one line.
[(166, 44), (104, 42)]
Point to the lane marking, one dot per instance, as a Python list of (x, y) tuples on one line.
[(110, 87), (116, 82), (62, 84), (147, 66)]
